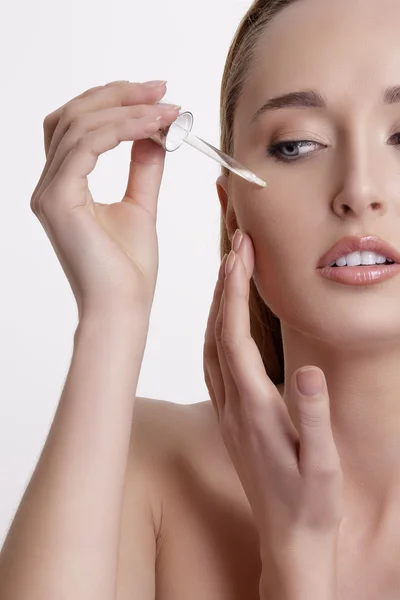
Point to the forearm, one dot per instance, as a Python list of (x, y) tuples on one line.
[(63, 542)]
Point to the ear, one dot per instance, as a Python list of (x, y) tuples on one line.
[(226, 206)]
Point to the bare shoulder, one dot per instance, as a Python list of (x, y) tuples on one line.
[(160, 431), (175, 440), (160, 425), (164, 435)]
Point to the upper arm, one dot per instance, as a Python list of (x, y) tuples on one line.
[(140, 515)]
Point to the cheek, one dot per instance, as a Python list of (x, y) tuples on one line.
[(285, 251), (277, 229), (278, 261)]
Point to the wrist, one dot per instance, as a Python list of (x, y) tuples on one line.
[(308, 577), (129, 311), (299, 589), (120, 332), (131, 321)]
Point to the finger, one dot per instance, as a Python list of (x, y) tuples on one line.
[(52, 119), (241, 350), (145, 173), (318, 453), (107, 97), (261, 399), (71, 178), (91, 122), (211, 367), (231, 396), (87, 121)]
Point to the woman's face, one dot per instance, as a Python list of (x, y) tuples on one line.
[(347, 181)]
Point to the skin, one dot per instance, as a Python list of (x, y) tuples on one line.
[(349, 333), (348, 185)]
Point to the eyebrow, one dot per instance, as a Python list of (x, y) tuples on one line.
[(313, 99)]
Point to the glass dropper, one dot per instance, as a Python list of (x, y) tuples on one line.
[(173, 136)]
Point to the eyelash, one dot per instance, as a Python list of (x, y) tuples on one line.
[(273, 150)]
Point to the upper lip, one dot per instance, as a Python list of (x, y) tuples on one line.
[(350, 244)]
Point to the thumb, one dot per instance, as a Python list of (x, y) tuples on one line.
[(318, 452), (145, 175)]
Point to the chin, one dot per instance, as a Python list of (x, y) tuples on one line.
[(347, 317), (347, 328)]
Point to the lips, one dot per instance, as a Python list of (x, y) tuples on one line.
[(350, 244)]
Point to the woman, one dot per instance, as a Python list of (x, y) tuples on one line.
[(284, 485)]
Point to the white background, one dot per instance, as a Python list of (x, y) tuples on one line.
[(51, 51)]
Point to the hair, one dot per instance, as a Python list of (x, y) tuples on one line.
[(265, 326)]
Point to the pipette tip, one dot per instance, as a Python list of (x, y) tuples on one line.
[(253, 178)]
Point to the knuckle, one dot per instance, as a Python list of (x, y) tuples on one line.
[(33, 206), (231, 429), (229, 341), (46, 122), (45, 201), (68, 113), (70, 109), (76, 131), (34, 201), (326, 474), (83, 142), (77, 123), (310, 418)]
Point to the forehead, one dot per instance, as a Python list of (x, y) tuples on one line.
[(342, 48)]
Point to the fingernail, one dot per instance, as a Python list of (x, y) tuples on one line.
[(309, 382), (230, 262), (169, 106), (221, 273), (145, 120), (154, 83), (237, 240)]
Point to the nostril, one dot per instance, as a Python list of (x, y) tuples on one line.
[(346, 209)]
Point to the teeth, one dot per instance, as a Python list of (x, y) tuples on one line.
[(365, 257), (341, 262)]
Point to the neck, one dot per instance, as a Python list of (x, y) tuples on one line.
[(364, 396)]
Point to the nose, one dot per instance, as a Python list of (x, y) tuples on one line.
[(360, 194), (358, 199)]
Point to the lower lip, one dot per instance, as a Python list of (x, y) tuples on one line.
[(361, 275)]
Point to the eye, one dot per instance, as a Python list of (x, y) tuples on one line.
[(294, 148)]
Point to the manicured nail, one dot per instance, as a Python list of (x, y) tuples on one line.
[(146, 120), (221, 274), (230, 263), (155, 83), (237, 240), (309, 382), (118, 82), (169, 106)]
